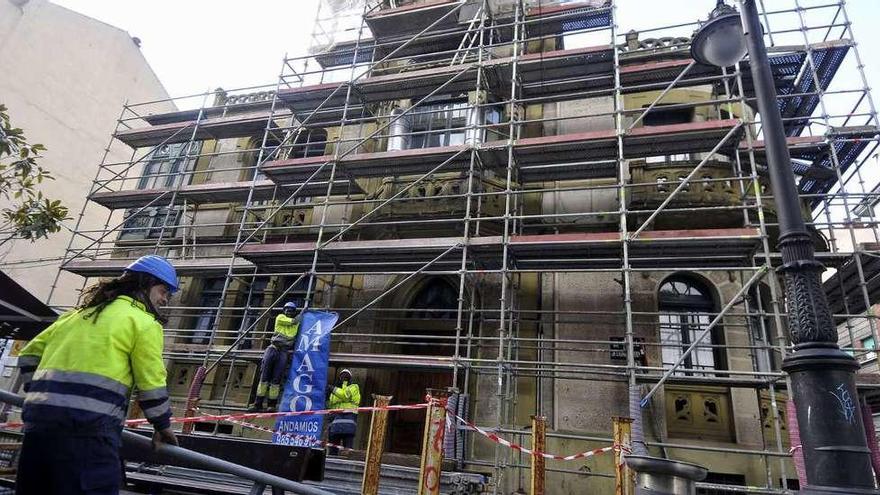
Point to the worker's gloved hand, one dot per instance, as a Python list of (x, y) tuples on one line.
[(166, 436)]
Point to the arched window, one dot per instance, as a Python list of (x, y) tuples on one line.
[(254, 153), (436, 300), (686, 307), (431, 312)]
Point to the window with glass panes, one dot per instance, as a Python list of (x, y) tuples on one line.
[(439, 124), (148, 223), (686, 307), (869, 345), (212, 290), (162, 166)]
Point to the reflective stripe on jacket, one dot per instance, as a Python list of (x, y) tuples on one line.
[(286, 329), (79, 372), (348, 396)]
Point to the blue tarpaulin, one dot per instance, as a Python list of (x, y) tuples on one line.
[(306, 381)]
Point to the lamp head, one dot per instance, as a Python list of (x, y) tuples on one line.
[(720, 41)]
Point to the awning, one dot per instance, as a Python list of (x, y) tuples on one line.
[(22, 315)]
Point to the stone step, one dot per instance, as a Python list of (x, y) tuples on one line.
[(341, 476)]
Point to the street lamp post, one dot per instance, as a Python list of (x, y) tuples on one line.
[(822, 376)]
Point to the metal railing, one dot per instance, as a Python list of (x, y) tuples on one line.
[(173, 453)]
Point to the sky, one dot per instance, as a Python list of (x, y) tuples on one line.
[(197, 45)]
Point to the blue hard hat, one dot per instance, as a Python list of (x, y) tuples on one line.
[(158, 267), (290, 305)]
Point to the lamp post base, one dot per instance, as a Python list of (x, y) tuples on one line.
[(823, 383), (659, 476)]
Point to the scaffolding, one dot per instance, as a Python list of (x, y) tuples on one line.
[(538, 177)]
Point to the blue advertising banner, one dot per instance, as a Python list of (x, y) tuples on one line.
[(307, 381)]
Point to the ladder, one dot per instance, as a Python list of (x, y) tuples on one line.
[(470, 38)]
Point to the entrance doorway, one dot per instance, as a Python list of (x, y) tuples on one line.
[(429, 325), (406, 428)]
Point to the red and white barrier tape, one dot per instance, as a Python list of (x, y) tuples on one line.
[(265, 415), (495, 438), (261, 415), (239, 419)]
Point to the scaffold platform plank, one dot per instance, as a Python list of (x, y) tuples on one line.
[(181, 132), (554, 72), (184, 352), (574, 156), (379, 164), (320, 103), (408, 20), (378, 255), (569, 71), (394, 27), (418, 83), (185, 267), (245, 108), (658, 248), (670, 248), (567, 156), (218, 192), (826, 59)]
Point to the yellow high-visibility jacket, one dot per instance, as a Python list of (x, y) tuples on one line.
[(286, 329), (348, 396), (79, 372)]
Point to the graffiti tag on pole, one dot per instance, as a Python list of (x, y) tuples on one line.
[(845, 401)]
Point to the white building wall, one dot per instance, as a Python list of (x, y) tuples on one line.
[(64, 78)]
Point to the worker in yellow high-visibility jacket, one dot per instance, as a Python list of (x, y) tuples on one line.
[(345, 394), (78, 374), (276, 357)]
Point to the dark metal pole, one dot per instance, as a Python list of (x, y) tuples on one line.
[(822, 376)]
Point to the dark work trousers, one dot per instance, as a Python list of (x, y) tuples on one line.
[(342, 429), (346, 440), (273, 365), (68, 465)]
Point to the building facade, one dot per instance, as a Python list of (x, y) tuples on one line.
[(503, 209)]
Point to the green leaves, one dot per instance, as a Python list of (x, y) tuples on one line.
[(29, 215)]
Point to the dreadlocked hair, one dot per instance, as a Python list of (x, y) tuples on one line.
[(135, 285)]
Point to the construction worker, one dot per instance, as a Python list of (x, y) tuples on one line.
[(77, 376), (275, 358), (343, 395)]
